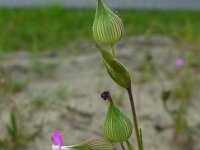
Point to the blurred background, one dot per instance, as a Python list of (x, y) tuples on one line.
[(51, 75)]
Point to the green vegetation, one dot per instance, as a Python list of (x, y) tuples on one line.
[(16, 137), (180, 95), (55, 27)]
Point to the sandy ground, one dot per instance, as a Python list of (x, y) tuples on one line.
[(80, 113)]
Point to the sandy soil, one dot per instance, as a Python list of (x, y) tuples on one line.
[(80, 113)]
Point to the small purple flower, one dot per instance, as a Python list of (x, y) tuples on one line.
[(180, 62), (56, 138)]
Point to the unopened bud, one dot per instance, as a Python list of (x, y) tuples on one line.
[(97, 144), (117, 127), (107, 27)]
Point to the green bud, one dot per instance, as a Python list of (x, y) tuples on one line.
[(100, 144), (117, 127), (119, 73), (115, 69), (97, 144), (107, 27)]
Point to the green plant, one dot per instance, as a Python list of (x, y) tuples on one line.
[(12, 128), (108, 30), (181, 93), (16, 137)]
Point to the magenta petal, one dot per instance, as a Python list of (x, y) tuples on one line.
[(179, 62), (56, 138)]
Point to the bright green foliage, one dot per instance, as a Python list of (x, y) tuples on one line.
[(117, 127), (56, 27)]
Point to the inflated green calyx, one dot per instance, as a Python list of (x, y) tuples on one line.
[(117, 127), (107, 27)]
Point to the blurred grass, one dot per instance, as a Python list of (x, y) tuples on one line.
[(55, 27)]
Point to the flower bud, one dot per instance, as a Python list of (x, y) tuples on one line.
[(107, 27), (100, 144), (56, 138), (115, 69), (117, 127)]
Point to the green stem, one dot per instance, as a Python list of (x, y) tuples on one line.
[(141, 139), (112, 49), (122, 146), (130, 147), (134, 118)]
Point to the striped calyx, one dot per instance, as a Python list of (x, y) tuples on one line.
[(107, 27), (97, 144), (117, 127), (100, 144)]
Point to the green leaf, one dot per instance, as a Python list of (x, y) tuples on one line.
[(118, 73), (13, 120), (12, 126), (115, 69)]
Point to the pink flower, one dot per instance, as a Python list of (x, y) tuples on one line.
[(56, 138), (180, 62)]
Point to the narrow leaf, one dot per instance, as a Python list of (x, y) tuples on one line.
[(141, 139)]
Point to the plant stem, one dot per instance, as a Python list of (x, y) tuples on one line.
[(141, 139), (130, 147), (112, 49), (122, 146), (134, 118)]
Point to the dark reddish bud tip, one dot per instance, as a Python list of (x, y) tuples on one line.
[(105, 95)]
